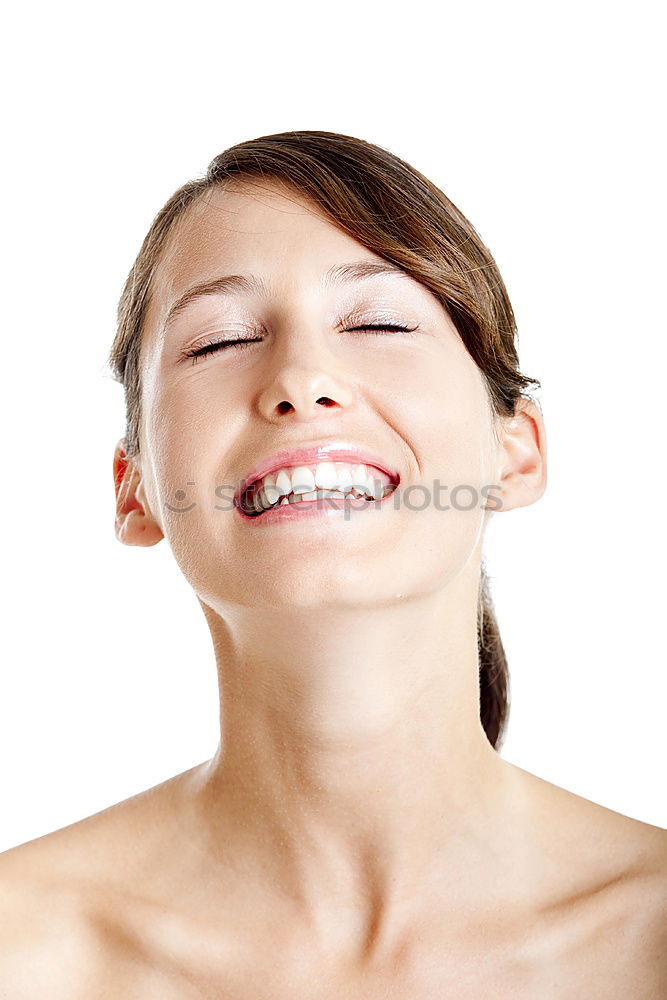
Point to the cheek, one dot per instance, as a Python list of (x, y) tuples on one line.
[(442, 410), (447, 426), (199, 413), (190, 427), (187, 416)]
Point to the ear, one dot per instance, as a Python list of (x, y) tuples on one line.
[(522, 475), (135, 524)]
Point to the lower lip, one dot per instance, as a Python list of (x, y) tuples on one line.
[(307, 509)]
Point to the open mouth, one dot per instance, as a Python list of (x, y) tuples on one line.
[(320, 482)]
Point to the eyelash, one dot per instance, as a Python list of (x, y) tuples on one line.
[(199, 352)]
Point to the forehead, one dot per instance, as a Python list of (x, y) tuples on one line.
[(263, 228)]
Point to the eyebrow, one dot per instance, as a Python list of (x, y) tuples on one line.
[(250, 284)]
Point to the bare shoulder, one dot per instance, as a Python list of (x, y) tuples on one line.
[(605, 889), (63, 899), (47, 946), (644, 922), (634, 923)]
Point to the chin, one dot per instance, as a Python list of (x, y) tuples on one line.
[(337, 584)]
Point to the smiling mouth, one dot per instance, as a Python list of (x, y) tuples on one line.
[(320, 482)]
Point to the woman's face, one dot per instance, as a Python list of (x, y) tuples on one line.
[(415, 400)]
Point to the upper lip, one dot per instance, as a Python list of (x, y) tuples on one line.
[(335, 451)]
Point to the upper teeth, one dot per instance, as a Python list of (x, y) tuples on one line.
[(324, 476)]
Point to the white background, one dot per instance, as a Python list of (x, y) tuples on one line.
[(544, 126)]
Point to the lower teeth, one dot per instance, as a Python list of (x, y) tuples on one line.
[(315, 495)]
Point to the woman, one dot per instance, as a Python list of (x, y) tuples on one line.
[(324, 408)]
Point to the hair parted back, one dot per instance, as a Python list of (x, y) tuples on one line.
[(396, 212)]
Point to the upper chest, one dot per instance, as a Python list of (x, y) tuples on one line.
[(596, 951)]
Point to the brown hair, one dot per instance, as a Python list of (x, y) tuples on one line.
[(392, 209)]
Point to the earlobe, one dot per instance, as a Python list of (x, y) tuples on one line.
[(523, 476), (135, 524)]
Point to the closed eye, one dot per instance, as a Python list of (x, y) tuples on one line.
[(391, 327), (219, 345)]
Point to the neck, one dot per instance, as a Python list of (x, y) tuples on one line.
[(352, 761)]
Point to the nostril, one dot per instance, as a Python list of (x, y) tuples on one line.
[(285, 406)]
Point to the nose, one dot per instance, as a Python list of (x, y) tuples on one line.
[(305, 383)]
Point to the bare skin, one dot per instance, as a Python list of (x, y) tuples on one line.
[(129, 902), (355, 833)]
